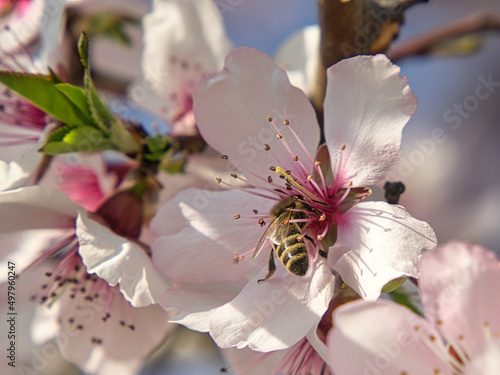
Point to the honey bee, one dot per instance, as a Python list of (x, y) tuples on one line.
[(286, 237)]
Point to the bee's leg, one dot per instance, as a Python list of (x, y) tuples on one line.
[(321, 253), (272, 265)]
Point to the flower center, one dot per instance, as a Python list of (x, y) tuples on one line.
[(302, 223)]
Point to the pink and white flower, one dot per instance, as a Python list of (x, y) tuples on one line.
[(267, 128), (184, 40), (460, 333), (29, 43)]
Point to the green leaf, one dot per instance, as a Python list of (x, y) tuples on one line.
[(83, 49), (76, 139), (111, 127), (41, 91), (77, 96), (407, 298), (111, 26), (174, 165), (157, 143), (98, 109)]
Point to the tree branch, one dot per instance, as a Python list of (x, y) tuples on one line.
[(423, 43)]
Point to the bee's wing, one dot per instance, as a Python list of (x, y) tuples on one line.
[(276, 231), (269, 232)]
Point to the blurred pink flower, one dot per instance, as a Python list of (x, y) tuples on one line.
[(30, 41), (253, 116), (96, 297), (459, 286), (184, 40)]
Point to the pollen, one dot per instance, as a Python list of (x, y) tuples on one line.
[(234, 175), (286, 122), (279, 136), (237, 258), (269, 118), (225, 157), (262, 222), (267, 147), (236, 217), (218, 179), (343, 147)]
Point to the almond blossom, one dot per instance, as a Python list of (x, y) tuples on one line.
[(460, 332), (267, 128), (98, 310), (184, 40)]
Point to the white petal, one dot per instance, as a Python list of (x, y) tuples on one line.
[(44, 326), (487, 361), (249, 362), (51, 34), (378, 242), (183, 39), (119, 261), (16, 173), (27, 246), (232, 108), (299, 57), (459, 287), (367, 104), (196, 231), (380, 338), (276, 313), (33, 207)]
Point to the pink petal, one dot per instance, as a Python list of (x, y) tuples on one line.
[(367, 104), (34, 207), (380, 338), (198, 237), (232, 109), (119, 261), (459, 287), (378, 242), (276, 313), (122, 350)]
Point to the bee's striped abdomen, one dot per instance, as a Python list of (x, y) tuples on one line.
[(292, 252)]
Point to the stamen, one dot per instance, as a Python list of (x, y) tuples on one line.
[(249, 191), (310, 179), (295, 183), (237, 258)]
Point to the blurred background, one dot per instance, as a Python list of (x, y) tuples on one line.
[(451, 147)]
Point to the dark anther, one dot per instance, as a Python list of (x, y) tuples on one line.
[(393, 191)]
